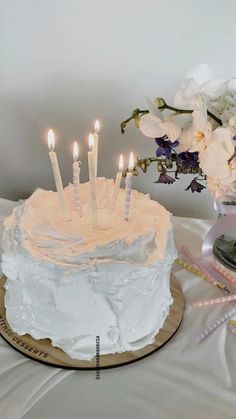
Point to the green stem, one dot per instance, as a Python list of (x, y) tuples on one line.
[(172, 148), (181, 111), (162, 105), (136, 115), (172, 108)]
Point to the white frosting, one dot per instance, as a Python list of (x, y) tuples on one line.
[(70, 282)]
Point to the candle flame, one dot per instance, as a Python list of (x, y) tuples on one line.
[(121, 163), (97, 126), (131, 162), (91, 141), (75, 151), (51, 140)]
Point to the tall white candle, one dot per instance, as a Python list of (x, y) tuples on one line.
[(95, 149), (128, 187), (56, 173), (76, 177), (117, 183), (92, 179)]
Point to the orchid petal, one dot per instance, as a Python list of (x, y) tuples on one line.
[(199, 114), (149, 125), (171, 129), (186, 139), (213, 167), (214, 88), (199, 80), (195, 148), (214, 159), (153, 109), (189, 89), (180, 102), (202, 73), (222, 137)]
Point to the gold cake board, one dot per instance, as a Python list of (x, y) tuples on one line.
[(42, 350)]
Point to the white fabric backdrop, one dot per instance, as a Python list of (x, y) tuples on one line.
[(182, 380)]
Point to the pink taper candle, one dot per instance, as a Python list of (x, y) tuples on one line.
[(213, 301)]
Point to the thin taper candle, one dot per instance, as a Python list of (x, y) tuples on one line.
[(128, 188), (218, 268), (56, 173), (92, 180), (210, 329), (196, 271), (199, 265), (117, 183), (95, 147), (213, 301), (76, 177)]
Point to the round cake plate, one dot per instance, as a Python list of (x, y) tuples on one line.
[(42, 350)]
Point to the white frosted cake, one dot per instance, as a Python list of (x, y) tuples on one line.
[(71, 282)]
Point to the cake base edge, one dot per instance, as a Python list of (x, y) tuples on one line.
[(42, 350)]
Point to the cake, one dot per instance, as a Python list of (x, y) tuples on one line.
[(70, 282)]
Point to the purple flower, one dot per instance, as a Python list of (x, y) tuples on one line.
[(165, 146), (164, 178), (195, 186), (188, 160)]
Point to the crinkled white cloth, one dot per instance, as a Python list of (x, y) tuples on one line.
[(182, 380)]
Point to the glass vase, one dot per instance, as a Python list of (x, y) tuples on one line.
[(225, 246)]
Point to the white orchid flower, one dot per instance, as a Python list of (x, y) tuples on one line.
[(232, 124), (202, 128), (201, 139), (201, 81), (216, 160), (219, 188), (153, 124), (198, 135)]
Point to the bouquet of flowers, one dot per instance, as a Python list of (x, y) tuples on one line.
[(204, 144)]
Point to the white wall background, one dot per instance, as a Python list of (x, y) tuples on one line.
[(64, 63)]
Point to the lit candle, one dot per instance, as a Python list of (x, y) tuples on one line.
[(95, 149), (92, 179), (128, 187), (76, 177), (117, 182), (56, 173)]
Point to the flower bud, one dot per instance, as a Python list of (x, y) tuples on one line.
[(169, 163), (159, 167), (160, 102)]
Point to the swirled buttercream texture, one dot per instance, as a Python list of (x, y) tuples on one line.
[(70, 282)]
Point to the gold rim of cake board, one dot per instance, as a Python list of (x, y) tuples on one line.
[(42, 350)]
